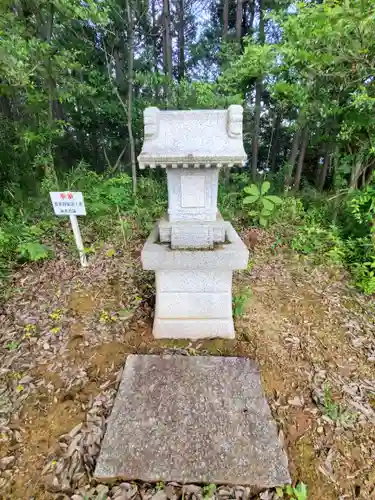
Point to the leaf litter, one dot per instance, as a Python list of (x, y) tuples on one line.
[(65, 334)]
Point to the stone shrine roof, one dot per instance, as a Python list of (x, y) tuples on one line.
[(208, 138)]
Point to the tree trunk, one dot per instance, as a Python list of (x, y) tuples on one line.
[(324, 171), (355, 173), (130, 93), (301, 159), (225, 19), (238, 20), (181, 41), (276, 142), (294, 150), (49, 165), (155, 46), (258, 97), (167, 48)]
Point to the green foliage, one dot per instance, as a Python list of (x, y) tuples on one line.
[(325, 243), (160, 486), (33, 251), (239, 302), (334, 411), (265, 205), (12, 346), (364, 275), (208, 491), (298, 492)]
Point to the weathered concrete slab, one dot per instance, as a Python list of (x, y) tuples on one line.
[(192, 420)]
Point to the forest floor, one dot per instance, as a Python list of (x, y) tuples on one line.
[(66, 331)]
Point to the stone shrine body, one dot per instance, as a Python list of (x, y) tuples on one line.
[(192, 250)]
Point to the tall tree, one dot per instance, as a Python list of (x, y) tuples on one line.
[(225, 19), (239, 7), (181, 40), (258, 101), (168, 70), (301, 159), (323, 172), (275, 141), (130, 33)]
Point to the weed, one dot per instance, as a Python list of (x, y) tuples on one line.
[(12, 346), (208, 491), (298, 492), (160, 486), (105, 317), (334, 411), (56, 315), (33, 251), (239, 302), (30, 330)]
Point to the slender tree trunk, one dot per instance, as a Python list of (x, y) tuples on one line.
[(49, 165), (181, 41), (130, 93), (154, 46), (301, 159), (294, 150), (324, 171), (258, 97), (355, 173), (292, 158), (225, 19), (119, 77), (239, 20), (244, 21), (167, 48), (276, 142)]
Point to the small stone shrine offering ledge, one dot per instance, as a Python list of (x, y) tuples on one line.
[(192, 250)]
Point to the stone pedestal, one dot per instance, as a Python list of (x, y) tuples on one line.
[(193, 251), (194, 287)]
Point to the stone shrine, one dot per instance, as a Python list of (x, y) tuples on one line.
[(192, 250)]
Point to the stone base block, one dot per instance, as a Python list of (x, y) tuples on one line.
[(193, 328), (193, 304), (194, 288)]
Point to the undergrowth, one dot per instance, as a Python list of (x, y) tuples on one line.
[(337, 230)]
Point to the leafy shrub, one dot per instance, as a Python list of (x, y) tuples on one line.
[(33, 251), (264, 204), (324, 243)]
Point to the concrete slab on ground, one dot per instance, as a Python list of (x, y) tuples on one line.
[(192, 419)]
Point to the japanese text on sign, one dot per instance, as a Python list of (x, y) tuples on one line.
[(68, 203)]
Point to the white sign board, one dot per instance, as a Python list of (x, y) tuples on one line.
[(68, 203), (72, 204)]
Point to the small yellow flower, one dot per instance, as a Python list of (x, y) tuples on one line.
[(104, 317), (19, 388), (56, 314), (30, 329), (55, 330)]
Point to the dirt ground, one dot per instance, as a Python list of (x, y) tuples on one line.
[(66, 331)]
